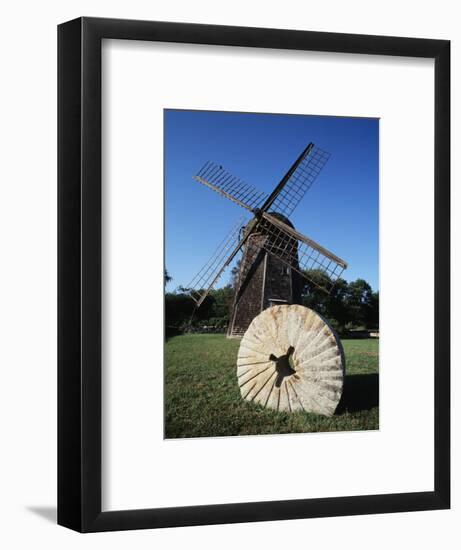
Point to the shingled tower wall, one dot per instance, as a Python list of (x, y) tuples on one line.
[(263, 281)]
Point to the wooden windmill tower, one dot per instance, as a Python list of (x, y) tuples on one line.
[(275, 255)]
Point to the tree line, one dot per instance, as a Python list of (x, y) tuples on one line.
[(350, 305)]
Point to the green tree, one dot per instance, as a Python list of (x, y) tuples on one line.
[(336, 306), (222, 301), (348, 305), (372, 312), (180, 310), (311, 292), (358, 300)]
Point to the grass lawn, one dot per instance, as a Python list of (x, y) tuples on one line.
[(202, 397)]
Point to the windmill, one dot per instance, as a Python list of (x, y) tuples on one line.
[(275, 255)]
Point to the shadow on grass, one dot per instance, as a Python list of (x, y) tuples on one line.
[(361, 393)]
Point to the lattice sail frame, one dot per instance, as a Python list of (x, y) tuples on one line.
[(281, 241), (233, 188), (300, 181), (212, 271), (285, 243), (301, 253)]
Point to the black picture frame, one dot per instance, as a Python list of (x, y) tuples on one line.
[(79, 274)]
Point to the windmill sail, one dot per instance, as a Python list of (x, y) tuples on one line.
[(212, 271), (233, 188), (315, 263), (300, 181), (267, 232)]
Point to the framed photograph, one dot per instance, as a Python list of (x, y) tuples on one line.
[(291, 358), (254, 274)]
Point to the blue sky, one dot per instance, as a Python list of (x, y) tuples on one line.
[(340, 211)]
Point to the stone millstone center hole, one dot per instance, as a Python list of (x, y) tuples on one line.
[(284, 366)]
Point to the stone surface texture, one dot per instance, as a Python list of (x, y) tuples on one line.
[(290, 360)]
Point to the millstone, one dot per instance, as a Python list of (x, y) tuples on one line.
[(290, 359)]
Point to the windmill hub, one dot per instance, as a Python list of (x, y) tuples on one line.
[(284, 366)]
